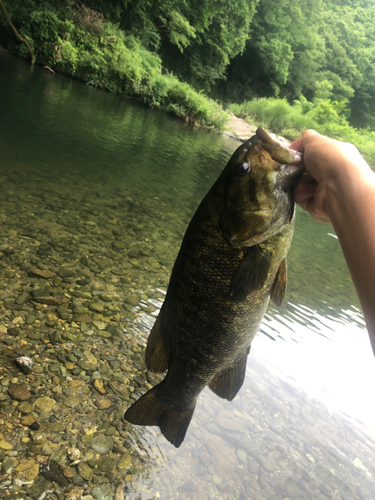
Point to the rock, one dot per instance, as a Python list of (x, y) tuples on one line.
[(28, 420), (102, 444), (267, 463), (40, 488), (54, 300), (100, 325), (98, 384), (29, 469), (102, 492), (25, 364), (73, 401), (358, 463), (227, 420), (4, 445), (19, 393), (63, 272), (82, 318), (97, 307), (119, 389), (42, 274), (45, 404), (25, 408), (103, 403), (85, 471), (74, 494), (9, 464), (125, 462), (22, 299)]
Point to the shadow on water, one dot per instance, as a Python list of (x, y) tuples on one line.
[(96, 193)]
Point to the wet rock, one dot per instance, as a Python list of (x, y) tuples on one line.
[(85, 471), (45, 404), (19, 393), (98, 384), (40, 488), (28, 469), (73, 401), (267, 463), (119, 389), (25, 407), (102, 444), (102, 404), (96, 306), (25, 364), (4, 445), (22, 299), (52, 300), (74, 494), (42, 274), (102, 492), (125, 462), (64, 272), (28, 420), (8, 465)]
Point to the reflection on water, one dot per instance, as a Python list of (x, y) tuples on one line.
[(92, 183)]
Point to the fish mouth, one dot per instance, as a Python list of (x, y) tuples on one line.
[(290, 174)]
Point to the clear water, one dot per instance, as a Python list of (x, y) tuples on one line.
[(303, 426)]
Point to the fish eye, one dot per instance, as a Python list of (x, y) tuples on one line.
[(243, 169)]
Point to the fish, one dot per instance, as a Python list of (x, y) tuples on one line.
[(232, 261)]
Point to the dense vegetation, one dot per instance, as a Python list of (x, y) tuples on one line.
[(316, 56)]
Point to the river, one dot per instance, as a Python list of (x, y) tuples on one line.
[(96, 192)]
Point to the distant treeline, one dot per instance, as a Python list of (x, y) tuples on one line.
[(233, 50)]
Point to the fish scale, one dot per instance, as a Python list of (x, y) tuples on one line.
[(232, 260)]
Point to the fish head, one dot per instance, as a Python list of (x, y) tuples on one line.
[(256, 186)]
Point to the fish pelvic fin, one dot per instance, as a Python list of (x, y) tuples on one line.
[(278, 289), (149, 410), (251, 273), (227, 383), (156, 356)]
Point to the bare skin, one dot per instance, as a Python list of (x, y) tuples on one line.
[(340, 188)]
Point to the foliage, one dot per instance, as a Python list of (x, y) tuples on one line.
[(99, 53), (322, 115)]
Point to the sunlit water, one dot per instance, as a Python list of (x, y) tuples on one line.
[(303, 425)]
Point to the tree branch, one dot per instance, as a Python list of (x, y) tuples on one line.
[(23, 40)]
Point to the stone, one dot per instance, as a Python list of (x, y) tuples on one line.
[(102, 492), (85, 471), (102, 404), (120, 389), (74, 494), (42, 274), (102, 444), (98, 384), (28, 420), (40, 488), (19, 393), (9, 463), (73, 401), (4, 445), (97, 307), (45, 404), (125, 462), (29, 469)]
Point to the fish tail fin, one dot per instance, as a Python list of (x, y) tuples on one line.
[(150, 410)]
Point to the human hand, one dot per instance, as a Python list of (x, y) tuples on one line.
[(331, 168)]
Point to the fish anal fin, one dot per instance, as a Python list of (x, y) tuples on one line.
[(251, 273), (156, 355), (227, 383), (150, 410), (278, 289)]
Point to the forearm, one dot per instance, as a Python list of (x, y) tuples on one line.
[(350, 204)]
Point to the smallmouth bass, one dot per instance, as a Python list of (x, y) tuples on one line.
[(232, 261)]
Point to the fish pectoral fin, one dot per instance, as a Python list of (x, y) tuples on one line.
[(279, 286), (149, 410), (251, 273), (227, 383), (156, 356)]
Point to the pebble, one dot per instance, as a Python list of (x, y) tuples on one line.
[(45, 404), (102, 444), (19, 393)]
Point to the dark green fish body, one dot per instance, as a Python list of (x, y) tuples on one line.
[(231, 262)]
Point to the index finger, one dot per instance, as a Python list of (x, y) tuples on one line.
[(299, 144)]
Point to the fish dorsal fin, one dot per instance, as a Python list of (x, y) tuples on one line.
[(251, 273), (279, 286), (156, 355), (227, 383)]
